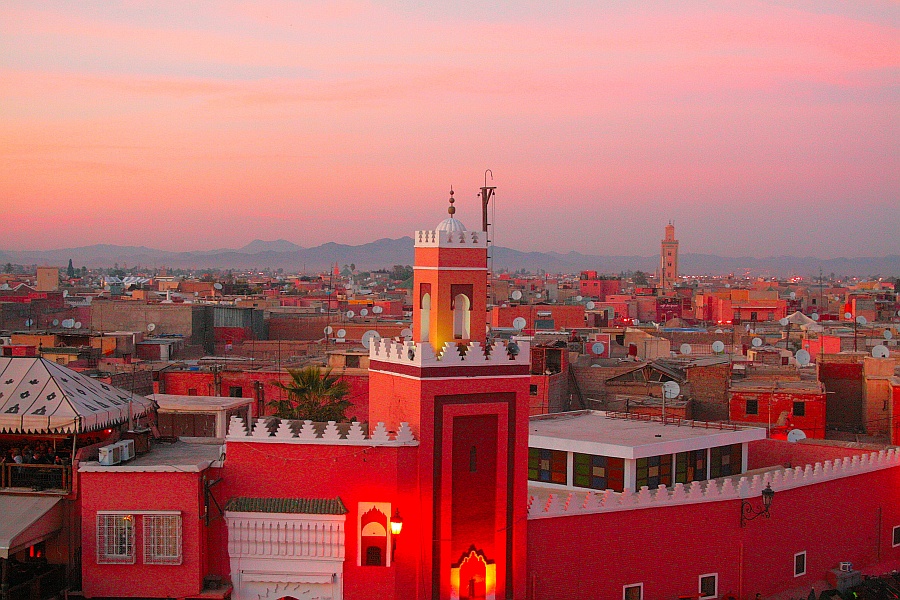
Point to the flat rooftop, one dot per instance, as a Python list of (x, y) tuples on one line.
[(179, 403), (180, 456), (631, 437)]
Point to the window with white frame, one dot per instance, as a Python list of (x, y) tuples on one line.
[(896, 536), (800, 564), (162, 539), (708, 585), (633, 591), (115, 539)]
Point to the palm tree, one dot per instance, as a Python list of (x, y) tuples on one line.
[(313, 394)]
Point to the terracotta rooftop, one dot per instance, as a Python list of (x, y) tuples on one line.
[(306, 506)]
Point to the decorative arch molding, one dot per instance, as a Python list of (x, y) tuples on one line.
[(473, 577), (373, 527)]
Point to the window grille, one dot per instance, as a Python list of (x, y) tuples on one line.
[(115, 539), (162, 539)]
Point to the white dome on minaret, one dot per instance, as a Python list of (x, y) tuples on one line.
[(451, 223)]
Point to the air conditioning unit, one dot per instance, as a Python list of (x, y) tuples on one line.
[(110, 455), (127, 449), (846, 566)]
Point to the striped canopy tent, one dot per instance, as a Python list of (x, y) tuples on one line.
[(39, 396)]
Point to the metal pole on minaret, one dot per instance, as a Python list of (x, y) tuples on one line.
[(487, 192)]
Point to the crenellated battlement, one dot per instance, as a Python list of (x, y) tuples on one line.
[(435, 238), (274, 430), (473, 354), (547, 502)]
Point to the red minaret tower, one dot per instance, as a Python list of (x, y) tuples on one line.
[(466, 400), (668, 259)]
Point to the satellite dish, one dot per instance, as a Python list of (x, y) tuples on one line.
[(888, 334), (29, 322), (784, 322), (579, 298), (217, 286), (718, 346), (848, 315), (881, 351), (685, 348), (350, 314), (342, 333), (516, 295), (364, 312), (719, 331), (598, 348), (727, 285), (671, 389), (590, 305), (861, 320), (802, 357), (56, 322), (519, 323), (411, 353), (67, 323), (328, 330), (77, 324), (512, 349), (538, 295), (406, 332), (377, 310), (795, 435), (815, 316), (65, 293), (756, 342), (151, 326), (793, 295), (370, 337)]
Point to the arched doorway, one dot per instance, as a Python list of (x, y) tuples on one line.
[(474, 577)]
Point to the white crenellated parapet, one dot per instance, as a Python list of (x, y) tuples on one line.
[(432, 238), (545, 501), (474, 354), (307, 432)]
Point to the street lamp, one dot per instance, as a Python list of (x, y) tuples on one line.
[(396, 528), (747, 511)]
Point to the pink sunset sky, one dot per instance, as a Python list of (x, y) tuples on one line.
[(761, 127)]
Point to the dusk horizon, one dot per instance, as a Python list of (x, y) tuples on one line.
[(760, 128)]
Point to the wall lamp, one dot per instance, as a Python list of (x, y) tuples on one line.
[(396, 528), (748, 513)]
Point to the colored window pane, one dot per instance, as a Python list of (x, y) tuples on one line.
[(598, 472), (653, 471), (547, 465)]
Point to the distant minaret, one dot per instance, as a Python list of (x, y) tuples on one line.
[(668, 259)]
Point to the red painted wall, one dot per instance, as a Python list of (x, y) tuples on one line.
[(666, 549), (771, 406), (355, 474), (141, 492)]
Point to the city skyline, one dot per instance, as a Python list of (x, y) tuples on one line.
[(761, 128)]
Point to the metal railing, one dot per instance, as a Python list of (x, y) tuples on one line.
[(36, 477)]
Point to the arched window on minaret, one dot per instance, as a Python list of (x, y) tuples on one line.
[(424, 311), (461, 317)]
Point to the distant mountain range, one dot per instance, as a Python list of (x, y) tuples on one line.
[(385, 253)]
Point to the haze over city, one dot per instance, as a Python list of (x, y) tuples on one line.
[(761, 127)]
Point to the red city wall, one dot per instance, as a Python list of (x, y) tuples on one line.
[(594, 556)]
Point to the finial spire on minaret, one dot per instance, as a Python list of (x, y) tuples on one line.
[(451, 209)]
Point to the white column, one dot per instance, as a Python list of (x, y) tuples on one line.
[(570, 469)]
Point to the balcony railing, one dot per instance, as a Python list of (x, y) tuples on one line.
[(51, 478)]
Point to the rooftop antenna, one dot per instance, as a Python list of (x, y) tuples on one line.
[(487, 192)]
